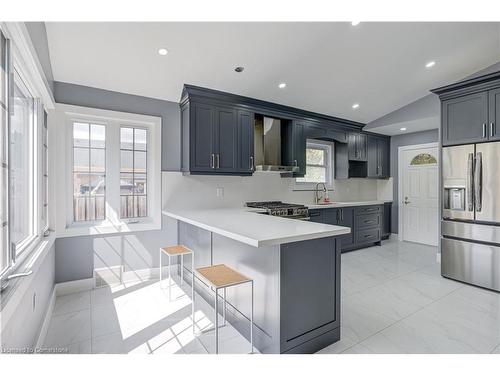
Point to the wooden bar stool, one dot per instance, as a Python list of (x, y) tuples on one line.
[(218, 277), (171, 251)]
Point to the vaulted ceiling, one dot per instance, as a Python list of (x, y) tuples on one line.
[(327, 67)]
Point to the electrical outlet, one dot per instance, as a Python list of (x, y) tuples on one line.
[(220, 192), (34, 301)]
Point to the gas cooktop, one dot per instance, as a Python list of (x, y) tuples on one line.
[(278, 208)]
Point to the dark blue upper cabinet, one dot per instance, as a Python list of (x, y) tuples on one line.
[(378, 157), (293, 152), (465, 119), (202, 135), (218, 132), (357, 146), (246, 162), (470, 110), (226, 140)]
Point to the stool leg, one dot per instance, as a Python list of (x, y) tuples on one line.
[(169, 280), (192, 288), (251, 324), (216, 323), (160, 268), (224, 308), (182, 268)]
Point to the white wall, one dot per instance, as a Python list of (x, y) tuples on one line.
[(188, 191)]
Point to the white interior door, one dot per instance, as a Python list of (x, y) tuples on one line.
[(420, 188)]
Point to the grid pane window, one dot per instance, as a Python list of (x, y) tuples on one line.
[(45, 174), (318, 164), (4, 166), (133, 172), (21, 163), (89, 171)]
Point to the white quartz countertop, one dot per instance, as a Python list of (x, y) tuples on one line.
[(247, 226), (313, 206)]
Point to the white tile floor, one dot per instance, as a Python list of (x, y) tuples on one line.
[(394, 300), (137, 318)]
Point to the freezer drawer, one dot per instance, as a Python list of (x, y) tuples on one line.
[(472, 232), (471, 262)]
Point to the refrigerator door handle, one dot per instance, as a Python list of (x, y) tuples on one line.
[(470, 184), (478, 177)]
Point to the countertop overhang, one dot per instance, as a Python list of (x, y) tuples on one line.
[(254, 229)]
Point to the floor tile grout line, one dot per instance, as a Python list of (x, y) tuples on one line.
[(406, 317)]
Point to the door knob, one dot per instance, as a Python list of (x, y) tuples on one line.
[(406, 200)]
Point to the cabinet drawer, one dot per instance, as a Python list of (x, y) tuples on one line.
[(368, 235), (367, 221), (368, 210)]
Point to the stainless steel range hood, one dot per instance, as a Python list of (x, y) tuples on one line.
[(267, 143)]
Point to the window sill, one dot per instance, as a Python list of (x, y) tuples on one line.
[(309, 187), (12, 296), (108, 227)]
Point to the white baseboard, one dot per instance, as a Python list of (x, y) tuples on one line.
[(74, 286), (46, 319)]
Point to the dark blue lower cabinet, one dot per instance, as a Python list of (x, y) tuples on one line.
[(310, 295)]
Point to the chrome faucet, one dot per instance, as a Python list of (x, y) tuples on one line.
[(317, 199)]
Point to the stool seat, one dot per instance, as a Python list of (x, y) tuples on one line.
[(222, 276), (176, 250)]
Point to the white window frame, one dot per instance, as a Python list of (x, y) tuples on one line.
[(63, 118), (26, 64), (328, 147)]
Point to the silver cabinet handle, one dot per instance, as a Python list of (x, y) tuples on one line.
[(212, 161), (492, 127), (295, 164), (478, 177), (252, 164), (484, 130), (470, 183), (341, 214), (218, 161)]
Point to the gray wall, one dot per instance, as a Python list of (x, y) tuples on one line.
[(169, 112), (396, 142), (38, 36), (77, 257), (22, 330)]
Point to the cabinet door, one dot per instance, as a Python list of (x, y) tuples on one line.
[(330, 216), (299, 147), (361, 147), (226, 137), (346, 219), (202, 138), (373, 153), (352, 146), (386, 220), (465, 119), (383, 157), (494, 114), (245, 141)]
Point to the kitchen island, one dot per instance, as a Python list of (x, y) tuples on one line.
[(295, 266)]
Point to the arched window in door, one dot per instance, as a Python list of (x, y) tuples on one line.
[(423, 158)]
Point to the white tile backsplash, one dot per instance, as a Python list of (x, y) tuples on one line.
[(185, 191)]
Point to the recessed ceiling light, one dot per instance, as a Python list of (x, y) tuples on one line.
[(163, 51), (282, 85), (402, 129), (239, 69), (355, 23), (430, 64), (355, 106)]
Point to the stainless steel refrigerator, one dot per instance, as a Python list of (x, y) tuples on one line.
[(470, 243)]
